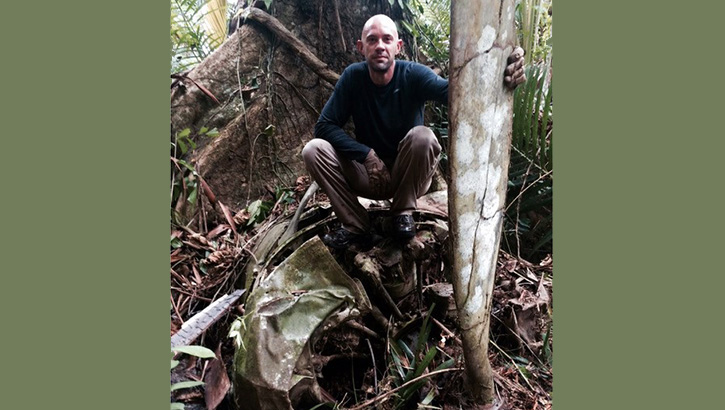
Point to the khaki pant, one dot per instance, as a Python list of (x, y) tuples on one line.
[(344, 180)]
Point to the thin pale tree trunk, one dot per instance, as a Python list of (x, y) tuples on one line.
[(480, 110)]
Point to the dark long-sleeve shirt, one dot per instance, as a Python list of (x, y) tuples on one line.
[(382, 115)]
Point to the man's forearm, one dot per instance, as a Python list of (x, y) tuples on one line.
[(344, 144)]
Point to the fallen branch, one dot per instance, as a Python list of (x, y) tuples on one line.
[(362, 328), (200, 322), (292, 227), (276, 27)]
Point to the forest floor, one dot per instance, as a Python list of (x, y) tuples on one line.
[(366, 364)]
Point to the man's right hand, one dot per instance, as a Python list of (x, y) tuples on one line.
[(377, 174)]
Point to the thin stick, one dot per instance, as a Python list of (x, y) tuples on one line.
[(375, 368), (406, 384), (195, 296), (176, 310), (362, 328), (522, 342), (445, 329), (515, 365), (180, 278), (544, 175)]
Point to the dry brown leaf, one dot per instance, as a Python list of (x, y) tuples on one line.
[(215, 257), (217, 231), (216, 381), (220, 257), (228, 216), (196, 274), (177, 256), (302, 184), (510, 265), (199, 239)]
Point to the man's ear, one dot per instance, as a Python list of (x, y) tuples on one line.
[(399, 43), (359, 45)]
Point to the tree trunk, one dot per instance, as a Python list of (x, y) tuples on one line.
[(480, 109)]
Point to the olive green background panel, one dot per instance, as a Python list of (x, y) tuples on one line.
[(85, 215), (637, 225)]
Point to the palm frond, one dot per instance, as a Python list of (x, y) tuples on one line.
[(198, 27), (216, 18), (530, 186)]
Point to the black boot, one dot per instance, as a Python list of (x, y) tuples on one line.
[(403, 226), (342, 238)]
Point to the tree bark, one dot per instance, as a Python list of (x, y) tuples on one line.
[(283, 34), (480, 110)]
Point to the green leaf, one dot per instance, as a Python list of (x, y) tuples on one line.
[(410, 28), (546, 351), (267, 3), (203, 130), (213, 133), (404, 347), (396, 361), (198, 351), (545, 157), (429, 398), (184, 133), (424, 331), (192, 194), (185, 385), (424, 364), (270, 130), (174, 363), (183, 146), (258, 211), (176, 243), (521, 359), (177, 406), (445, 365), (186, 164), (524, 371)]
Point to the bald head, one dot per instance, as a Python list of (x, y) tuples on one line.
[(379, 44), (381, 21)]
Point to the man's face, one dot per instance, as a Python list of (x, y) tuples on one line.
[(379, 44)]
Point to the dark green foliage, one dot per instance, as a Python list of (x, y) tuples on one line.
[(430, 28), (405, 364), (184, 178), (528, 228)]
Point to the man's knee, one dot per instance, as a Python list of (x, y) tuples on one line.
[(312, 151), (422, 139)]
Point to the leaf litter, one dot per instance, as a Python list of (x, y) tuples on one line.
[(405, 353)]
